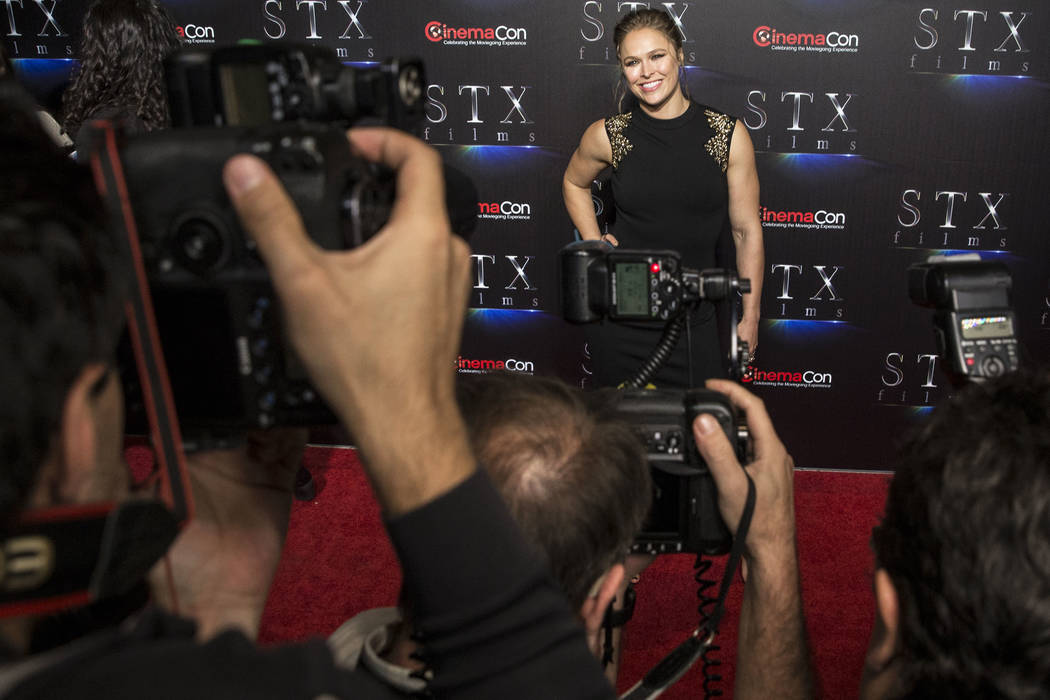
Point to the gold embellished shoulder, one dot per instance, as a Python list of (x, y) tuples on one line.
[(614, 127), (718, 145)]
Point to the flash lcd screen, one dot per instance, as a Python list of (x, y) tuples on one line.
[(983, 327), (632, 288)]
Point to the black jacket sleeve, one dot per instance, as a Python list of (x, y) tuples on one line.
[(490, 619), (492, 623)]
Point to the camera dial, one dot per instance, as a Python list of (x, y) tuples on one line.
[(198, 244)]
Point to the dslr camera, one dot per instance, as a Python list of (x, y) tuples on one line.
[(973, 321), (684, 515), (217, 314), (598, 281)]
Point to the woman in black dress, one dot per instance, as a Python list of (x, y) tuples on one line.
[(683, 179)]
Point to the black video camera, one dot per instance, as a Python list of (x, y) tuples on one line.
[(599, 281), (217, 314), (973, 321), (684, 516)]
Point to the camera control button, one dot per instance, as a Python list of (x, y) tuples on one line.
[(674, 443), (267, 401), (264, 374), (993, 366), (260, 347)]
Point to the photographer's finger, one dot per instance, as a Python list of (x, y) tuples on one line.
[(721, 459), (459, 284), (420, 184), (268, 214), (758, 420)]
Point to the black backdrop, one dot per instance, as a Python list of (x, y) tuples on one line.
[(884, 130)]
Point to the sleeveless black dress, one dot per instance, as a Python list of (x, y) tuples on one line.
[(670, 192)]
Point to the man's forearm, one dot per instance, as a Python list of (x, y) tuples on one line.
[(773, 652)]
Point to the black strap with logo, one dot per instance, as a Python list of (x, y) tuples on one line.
[(68, 556)]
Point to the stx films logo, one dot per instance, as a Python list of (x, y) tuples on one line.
[(317, 20), (806, 379), (797, 218), (502, 282), (479, 114), (474, 366), (802, 121), (771, 38), (34, 28), (952, 219), (439, 32), (598, 17), (971, 40), (909, 379), (808, 292)]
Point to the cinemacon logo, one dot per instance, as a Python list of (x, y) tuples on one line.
[(439, 31), (505, 208), (193, 31), (511, 365), (765, 37), (819, 218), (787, 378)]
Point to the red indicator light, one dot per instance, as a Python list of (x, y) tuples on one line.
[(654, 267), (969, 361)]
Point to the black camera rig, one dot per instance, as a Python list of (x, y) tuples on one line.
[(218, 319), (973, 320), (599, 281)]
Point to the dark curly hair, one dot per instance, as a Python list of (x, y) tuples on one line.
[(574, 476), (61, 290), (966, 542), (121, 63)]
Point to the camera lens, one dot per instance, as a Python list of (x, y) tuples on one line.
[(410, 85), (198, 244)]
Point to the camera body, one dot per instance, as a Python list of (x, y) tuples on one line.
[(217, 314), (253, 85), (973, 319), (684, 516)]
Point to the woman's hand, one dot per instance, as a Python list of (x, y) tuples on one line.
[(747, 330)]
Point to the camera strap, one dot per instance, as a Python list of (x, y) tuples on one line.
[(54, 559), (681, 659), (165, 437)]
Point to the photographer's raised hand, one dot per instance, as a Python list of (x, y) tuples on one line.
[(377, 326), (773, 654), (219, 570)]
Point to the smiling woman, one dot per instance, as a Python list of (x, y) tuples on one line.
[(683, 179)]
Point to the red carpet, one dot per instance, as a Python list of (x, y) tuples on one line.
[(337, 562)]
